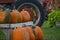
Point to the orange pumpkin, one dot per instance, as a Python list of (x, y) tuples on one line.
[(2, 16), (29, 30), (25, 16), (14, 16), (38, 32), (14, 35), (19, 34)]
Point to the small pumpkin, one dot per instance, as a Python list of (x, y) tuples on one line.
[(19, 34), (14, 35), (2, 16), (31, 12), (25, 15), (38, 32), (29, 30), (14, 16)]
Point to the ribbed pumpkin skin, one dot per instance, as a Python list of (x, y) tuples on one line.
[(14, 35), (2, 16), (25, 16), (39, 34), (14, 15), (20, 18), (25, 34), (29, 30), (20, 34)]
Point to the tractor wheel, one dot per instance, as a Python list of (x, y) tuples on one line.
[(37, 8)]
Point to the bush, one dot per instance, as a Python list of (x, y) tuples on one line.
[(54, 16)]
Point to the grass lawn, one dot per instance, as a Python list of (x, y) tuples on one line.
[(50, 33)]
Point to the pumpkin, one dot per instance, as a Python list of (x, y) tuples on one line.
[(2, 16), (38, 32), (14, 16), (25, 15), (19, 34), (31, 12), (35, 34), (14, 35), (29, 30)]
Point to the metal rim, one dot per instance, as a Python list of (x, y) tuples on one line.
[(38, 12)]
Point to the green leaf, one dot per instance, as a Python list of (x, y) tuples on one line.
[(54, 16), (34, 13)]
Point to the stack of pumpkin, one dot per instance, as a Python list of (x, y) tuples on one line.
[(27, 33), (14, 16)]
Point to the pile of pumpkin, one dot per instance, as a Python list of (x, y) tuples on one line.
[(14, 16), (27, 33)]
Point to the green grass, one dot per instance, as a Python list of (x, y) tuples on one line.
[(50, 33)]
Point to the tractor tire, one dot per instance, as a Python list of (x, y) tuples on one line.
[(36, 4)]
